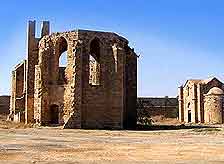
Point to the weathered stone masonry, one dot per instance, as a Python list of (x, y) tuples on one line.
[(4, 104), (201, 101), (166, 107), (97, 88)]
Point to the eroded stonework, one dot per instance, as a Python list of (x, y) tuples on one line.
[(4, 104), (201, 101), (97, 88)]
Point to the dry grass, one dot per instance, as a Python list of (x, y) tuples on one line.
[(4, 124), (161, 120)]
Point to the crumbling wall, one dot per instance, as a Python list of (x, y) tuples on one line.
[(82, 94), (18, 85), (4, 104), (32, 61)]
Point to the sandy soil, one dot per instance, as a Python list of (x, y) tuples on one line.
[(55, 145)]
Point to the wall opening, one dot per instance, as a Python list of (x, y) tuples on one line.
[(188, 112), (54, 114), (188, 91), (62, 61), (94, 62), (188, 105), (189, 116)]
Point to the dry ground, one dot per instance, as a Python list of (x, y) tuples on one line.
[(55, 145)]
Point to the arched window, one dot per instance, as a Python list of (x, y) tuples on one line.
[(188, 91), (62, 60), (188, 105), (94, 62)]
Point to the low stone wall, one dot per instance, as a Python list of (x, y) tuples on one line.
[(4, 104), (159, 106)]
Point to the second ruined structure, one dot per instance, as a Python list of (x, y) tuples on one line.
[(201, 101), (96, 89)]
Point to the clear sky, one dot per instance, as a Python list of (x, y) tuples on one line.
[(176, 39)]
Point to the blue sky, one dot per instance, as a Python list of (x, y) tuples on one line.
[(176, 39)]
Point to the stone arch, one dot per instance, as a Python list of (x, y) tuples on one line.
[(95, 55), (61, 48), (95, 38)]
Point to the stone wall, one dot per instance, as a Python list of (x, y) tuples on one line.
[(104, 98), (18, 85), (213, 109), (4, 104), (130, 113), (159, 106)]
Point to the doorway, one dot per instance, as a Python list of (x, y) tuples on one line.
[(54, 114), (189, 115)]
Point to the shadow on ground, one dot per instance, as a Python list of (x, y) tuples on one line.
[(174, 127)]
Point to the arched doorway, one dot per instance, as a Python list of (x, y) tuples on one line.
[(188, 112), (54, 114), (189, 116)]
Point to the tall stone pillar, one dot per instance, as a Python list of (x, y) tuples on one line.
[(37, 95), (119, 89), (45, 29), (33, 52), (13, 96), (199, 103), (194, 112), (74, 118), (181, 103)]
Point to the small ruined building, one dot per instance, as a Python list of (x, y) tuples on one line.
[(96, 88), (201, 101)]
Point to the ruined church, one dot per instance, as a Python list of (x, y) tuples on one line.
[(201, 101), (96, 89)]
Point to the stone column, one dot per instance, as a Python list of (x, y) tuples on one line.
[(12, 98), (42, 81), (45, 29), (194, 112), (181, 104), (199, 103), (37, 95), (119, 89), (74, 119)]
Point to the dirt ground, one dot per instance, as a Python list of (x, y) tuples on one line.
[(55, 145)]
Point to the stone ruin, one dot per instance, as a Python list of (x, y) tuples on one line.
[(97, 88), (201, 101)]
